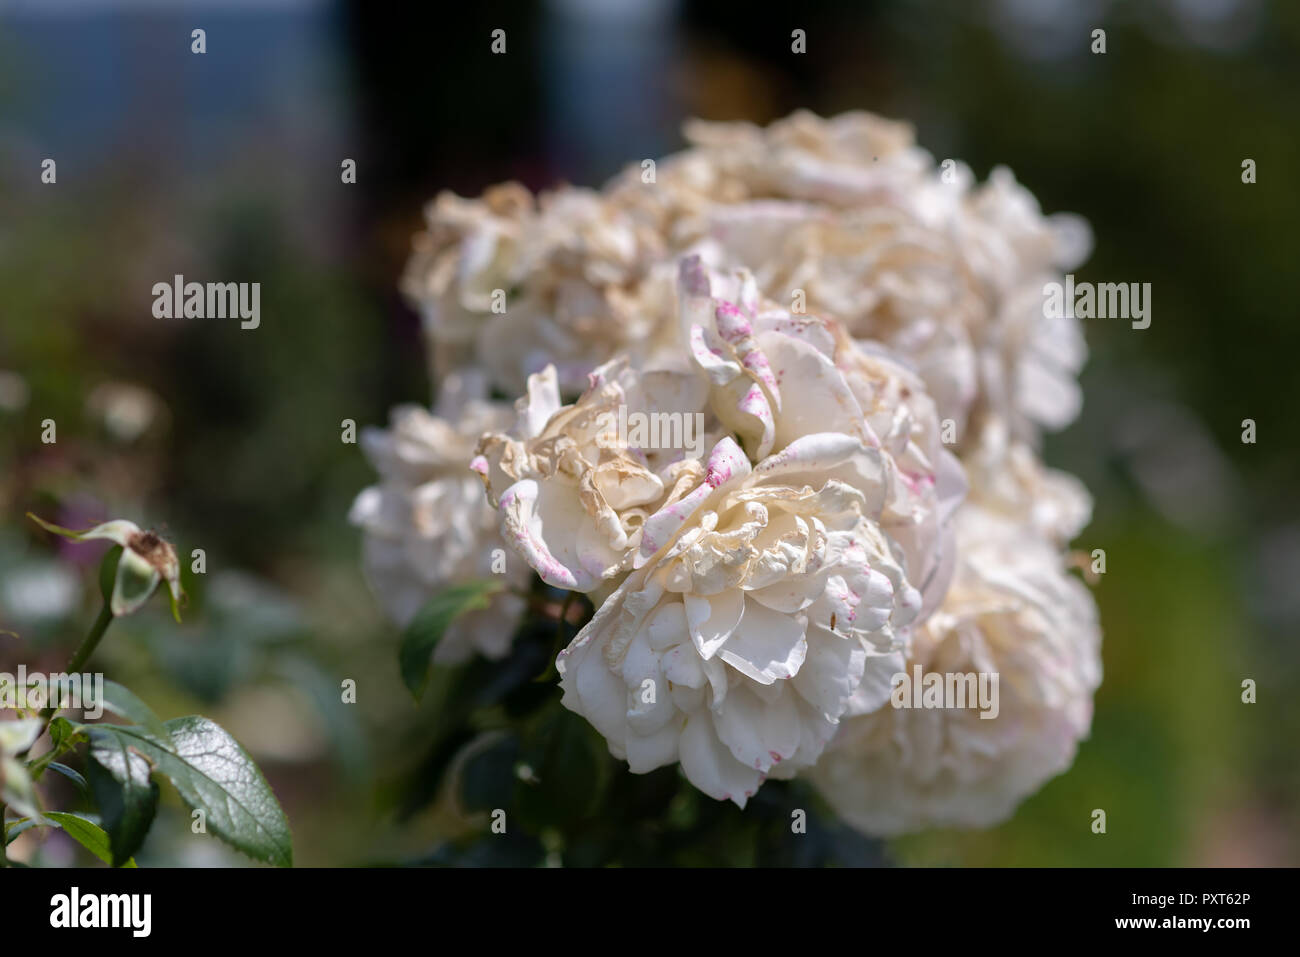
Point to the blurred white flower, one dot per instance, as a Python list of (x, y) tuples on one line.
[(40, 591), (126, 410), (846, 212), (513, 285), (852, 215), (14, 392), (1008, 479), (17, 790), (1013, 611), (426, 524), (849, 160), (469, 249)]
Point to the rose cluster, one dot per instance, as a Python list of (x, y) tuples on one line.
[(856, 335)]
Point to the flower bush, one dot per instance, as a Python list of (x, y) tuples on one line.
[(854, 336)]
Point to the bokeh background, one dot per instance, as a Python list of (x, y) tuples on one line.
[(226, 166)]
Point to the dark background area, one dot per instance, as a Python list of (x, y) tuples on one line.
[(226, 166)]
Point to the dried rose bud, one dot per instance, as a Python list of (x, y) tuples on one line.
[(146, 560)]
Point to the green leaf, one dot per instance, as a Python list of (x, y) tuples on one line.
[(125, 793), (569, 762), (431, 623), (73, 776), (212, 773), (487, 772), (114, 531), (62, 732), (15, 828), (86, 833), (340, 722), (455, 694), (125, 704), (64, 735)]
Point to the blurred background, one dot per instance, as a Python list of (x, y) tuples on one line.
[(227, 166)]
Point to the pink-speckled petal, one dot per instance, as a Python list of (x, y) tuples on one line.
[(717, 367), (726, 466), (522, 527), (817, 452), (755, 403)]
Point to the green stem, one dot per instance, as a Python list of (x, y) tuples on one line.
[(78, 661), (87, 648), (80, 657)]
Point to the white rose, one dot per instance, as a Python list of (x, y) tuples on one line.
[(572, 497), (864, 224), (761, 601), (825, 298), (1012, 611), (848, 160), (776, 376), (512, 284), (426, 525), (847, 210), (744, 597), (1008, 479), (470, 249)]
